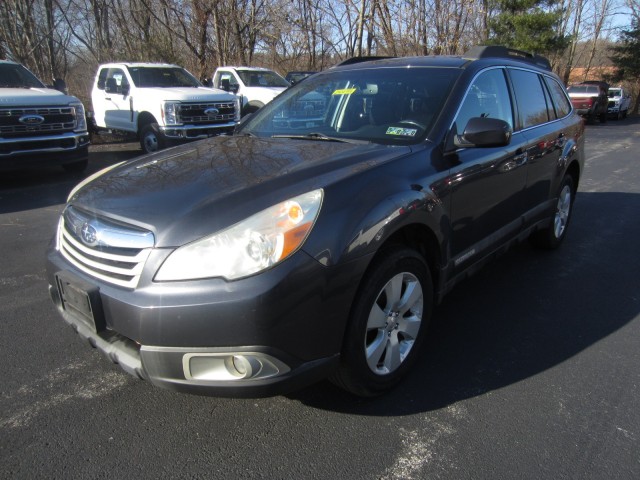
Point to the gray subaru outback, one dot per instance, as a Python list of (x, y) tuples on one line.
[(317, 239)]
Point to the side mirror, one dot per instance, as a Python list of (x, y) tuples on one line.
[(125, 90), (60, 85), (225, 84), (484, 132)]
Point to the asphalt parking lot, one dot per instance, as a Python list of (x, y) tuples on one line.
[(531, 369)]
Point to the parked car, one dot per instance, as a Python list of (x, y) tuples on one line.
[(256, 86), (258, 263), (619, 103), (295, 77), (162, 104), (39, 125), (590, 99)]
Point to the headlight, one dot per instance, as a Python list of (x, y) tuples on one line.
[(248, 247), (81, 119), (170, 113), (238, 106)]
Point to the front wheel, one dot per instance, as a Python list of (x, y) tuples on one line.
[(150, 139), (552, 236), (388, 322)]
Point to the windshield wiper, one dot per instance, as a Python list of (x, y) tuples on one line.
[(320, 136)]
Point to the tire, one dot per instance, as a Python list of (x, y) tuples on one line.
[(75, 167), (388, 322), (150, 140), (603, 117), (251, 108), (552, 236)]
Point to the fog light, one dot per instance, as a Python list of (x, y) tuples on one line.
[(230, 366), (243, 367)]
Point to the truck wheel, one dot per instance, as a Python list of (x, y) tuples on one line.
[(603, 117), (387, 323), (150, 140), (251, 108)]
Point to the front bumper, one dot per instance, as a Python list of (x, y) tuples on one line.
[(43, 150), (195, 132), (263, 335)]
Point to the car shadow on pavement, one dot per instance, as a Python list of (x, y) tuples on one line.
[(523, 314), (41, 187)]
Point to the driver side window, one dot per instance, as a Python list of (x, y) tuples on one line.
[(488, 96)]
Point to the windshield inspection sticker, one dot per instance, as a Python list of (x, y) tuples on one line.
[(344, 91), (405, 132)]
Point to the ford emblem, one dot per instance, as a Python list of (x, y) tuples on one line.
[(31, 119), (89, 235), (210, 112)]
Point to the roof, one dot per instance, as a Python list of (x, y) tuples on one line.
[(143, 65), (487, 54)]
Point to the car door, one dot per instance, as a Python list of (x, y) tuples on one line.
[(117, 96), (487, 182), (545, 134)]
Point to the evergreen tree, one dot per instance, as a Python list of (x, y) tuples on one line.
[(529, 25), (626, 57)]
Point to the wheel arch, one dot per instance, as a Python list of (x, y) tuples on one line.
[(418, 237), (145, 118)]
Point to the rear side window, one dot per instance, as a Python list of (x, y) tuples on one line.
[(560, 100), (530, 97)]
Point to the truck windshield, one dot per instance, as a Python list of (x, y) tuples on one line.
[(380, 105), (16, 76), (165, 77), (262, 78)]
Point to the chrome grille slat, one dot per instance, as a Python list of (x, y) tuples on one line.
[(54, 119), (105, 258), (194, 112)]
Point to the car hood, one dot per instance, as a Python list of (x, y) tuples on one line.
[(188, 94), (33, 97), (197, 189)]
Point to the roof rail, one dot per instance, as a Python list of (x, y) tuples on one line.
[(354, 60), (485, 51)]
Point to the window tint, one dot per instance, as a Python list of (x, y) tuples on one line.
[(116, 81), (488, 96), (532, 105), (560, 100)]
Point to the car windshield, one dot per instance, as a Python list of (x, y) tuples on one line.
[(162, 77), (262, 78), (614, 92), (381, 105), (16, 76)]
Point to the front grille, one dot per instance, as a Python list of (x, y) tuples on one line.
[(107, 250), (194, 113), (55, 120)]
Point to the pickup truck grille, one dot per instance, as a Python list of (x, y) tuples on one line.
[(194, 113), (110, 251), (54, 120)]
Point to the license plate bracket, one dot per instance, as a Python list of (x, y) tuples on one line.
[(81, 300)]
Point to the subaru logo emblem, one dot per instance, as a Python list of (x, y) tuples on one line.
[(89, 235), (31, 119), (210, 112)]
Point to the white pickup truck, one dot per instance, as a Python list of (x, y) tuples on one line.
[(162, 104), (39, 125), (256, 86), (619, 103)]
